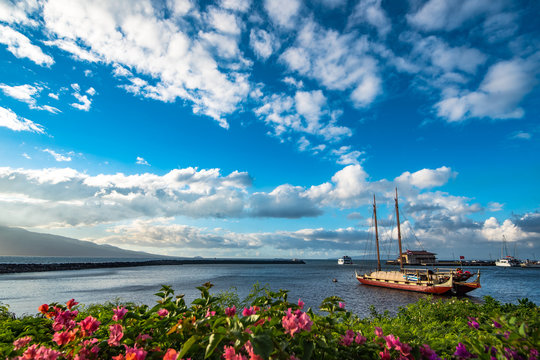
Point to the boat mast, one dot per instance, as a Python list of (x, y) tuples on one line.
[(399, 235), (376, 234)]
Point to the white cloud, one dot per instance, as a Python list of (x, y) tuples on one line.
[(312, 115), (347, 156), (17, 12), (262, 43), (237, 5), (26, 156), (21, 46), (336, 61), (57, 156), (135, 36), (282, 12), (23, 93), (371, 11), (451, 14), (521, 135), (14, 122), (91, 91), (71, 47), (498, 96), (427, 178), (141, 161), (84, 102), (68, 197), (492, 230), (53, 96)]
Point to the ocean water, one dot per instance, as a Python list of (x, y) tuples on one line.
[(312, 282)]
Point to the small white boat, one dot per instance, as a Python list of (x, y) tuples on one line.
[(345, 260), (508, 261)]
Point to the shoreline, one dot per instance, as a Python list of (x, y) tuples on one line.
[(6, 268)]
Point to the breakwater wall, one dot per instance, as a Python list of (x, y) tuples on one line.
[(23, 268)]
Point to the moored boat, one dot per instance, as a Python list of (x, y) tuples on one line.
[(419, 280), (345, 260), (425, 281)]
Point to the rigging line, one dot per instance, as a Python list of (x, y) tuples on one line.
[(414, 234)]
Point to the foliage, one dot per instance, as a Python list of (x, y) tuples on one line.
[(265, 325)]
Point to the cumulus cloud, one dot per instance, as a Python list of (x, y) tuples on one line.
[(262, 43), (336, 61), (11, 120), (162, 232), (451, 14), (427, 178), (27, 93), (282, 12), (498, 96), (67, 197), (285, 201), (21, 46), (371, 12), (307, 112), (138, 37)]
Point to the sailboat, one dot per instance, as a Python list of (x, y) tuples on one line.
[(508, 260), (419, 280)]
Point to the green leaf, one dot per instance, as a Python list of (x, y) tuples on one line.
[(308, 350), (187, 345), (522, 330), (262, 345), (213, 342)]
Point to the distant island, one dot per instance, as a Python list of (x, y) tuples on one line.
[(20, 242)]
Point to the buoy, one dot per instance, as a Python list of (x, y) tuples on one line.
[(334, 280)]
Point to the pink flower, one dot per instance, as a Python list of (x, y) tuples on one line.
[(133, 353), (391, 341), (293, 323), (249, 349), (171, 354), (64, 320), (348, 338), (230, 354), (378, 331), (119, 313), (360, 339), (385, 354), (116, 335), (462, 352), (473, 323), (163, 312), (341, 305), (230, 311), (496, 324), (44, 353), (71, 303), (89, 325), (210, 313), (301, 303), (22, 342), (248, 312), (62, 338), (143, 337)]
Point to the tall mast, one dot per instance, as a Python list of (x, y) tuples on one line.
[(399, 234), (376, 234)]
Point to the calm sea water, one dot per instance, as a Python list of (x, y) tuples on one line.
[(311, 282)]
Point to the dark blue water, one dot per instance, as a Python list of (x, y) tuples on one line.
[(311, 282)]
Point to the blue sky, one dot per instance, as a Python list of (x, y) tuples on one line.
[(246, 128)]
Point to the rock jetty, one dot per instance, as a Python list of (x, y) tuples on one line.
[(7, 268)]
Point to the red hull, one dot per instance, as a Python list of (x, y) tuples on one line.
[(409, 287)]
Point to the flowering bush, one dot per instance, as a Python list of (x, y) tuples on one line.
[(269, 327)]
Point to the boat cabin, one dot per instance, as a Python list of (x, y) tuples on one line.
[(418, 257)]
